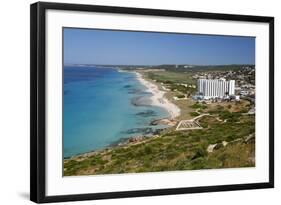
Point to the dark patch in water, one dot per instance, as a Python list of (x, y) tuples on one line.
[(132, 89), (146, 93), (127, 86), (140, 101), (126, 139), (66, 92), (135, 91), (147, 113), (143, 131)]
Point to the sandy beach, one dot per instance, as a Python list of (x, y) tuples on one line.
[(158, 99)]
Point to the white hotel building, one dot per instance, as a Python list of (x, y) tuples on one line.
[(218, 88)]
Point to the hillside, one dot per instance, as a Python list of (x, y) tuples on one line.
[(177, 150)]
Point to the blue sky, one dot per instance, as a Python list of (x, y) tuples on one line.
[(91, 46)]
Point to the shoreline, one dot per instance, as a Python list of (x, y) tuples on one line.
[(130, 141), (158, 99)]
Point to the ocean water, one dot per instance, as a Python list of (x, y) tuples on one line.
[(102, 106)]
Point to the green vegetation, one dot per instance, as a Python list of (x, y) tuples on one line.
[(203, 68), (174, 150), (199, 106), (180, 96), (194, 114), (182, 82), (181, 88), (171, 77), (180, 150)]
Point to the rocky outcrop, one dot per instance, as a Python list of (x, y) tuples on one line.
[(248, 139), (169, 122)]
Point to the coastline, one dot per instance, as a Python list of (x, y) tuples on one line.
[(176, 148), (157, 98), (131, 141)]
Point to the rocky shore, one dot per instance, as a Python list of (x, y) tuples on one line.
[(121, 143)]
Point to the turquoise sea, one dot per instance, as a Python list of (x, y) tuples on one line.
[(103, 106)]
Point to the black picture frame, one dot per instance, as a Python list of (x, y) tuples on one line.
[(38, 97)]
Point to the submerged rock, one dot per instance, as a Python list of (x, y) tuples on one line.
[(146, 130), (134, 91), (140, 101), (127, 86), (147, 113)]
